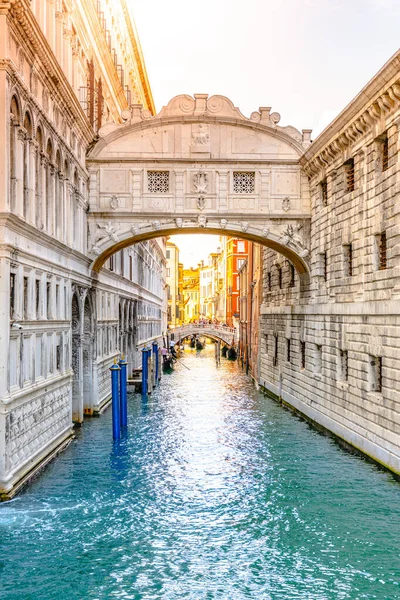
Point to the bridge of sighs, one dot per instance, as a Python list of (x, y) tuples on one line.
[(199, 166)]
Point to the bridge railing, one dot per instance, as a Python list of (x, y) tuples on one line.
[(219, 330)]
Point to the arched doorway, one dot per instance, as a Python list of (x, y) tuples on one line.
[(77, 383), (88, 345)]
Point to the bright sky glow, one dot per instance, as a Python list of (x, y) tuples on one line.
[(195, 247), (306, 59)]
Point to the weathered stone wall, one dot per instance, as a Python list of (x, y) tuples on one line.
[(337, 358)]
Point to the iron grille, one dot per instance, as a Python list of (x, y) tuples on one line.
[(385, 154), (303, 355), (324, 192), (382, 251), (350, 176)]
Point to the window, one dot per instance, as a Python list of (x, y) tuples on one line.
[(243, 183), (12, 295), (343, 365), (288, 350), (323, 187), (48, 299), (382, 248), (240, 262), (279, 271), (318, 358), (266, 343), (376, 373), (385, 153), (168, 253), (292, 275), (323, 265), (168, 272), (57, 309), (112, 263), (158, 182), (349, 175), (37, 298), (302, 355), (269, 281), (240, 246), (26, 288), (275, 359), (348, 260)]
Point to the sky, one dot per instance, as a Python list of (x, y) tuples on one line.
[(306, 59)]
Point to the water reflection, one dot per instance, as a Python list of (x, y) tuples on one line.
[(213, 492)]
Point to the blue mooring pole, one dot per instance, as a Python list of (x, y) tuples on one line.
[(145, 370), (155, 355), (116, 426), (123, 397)]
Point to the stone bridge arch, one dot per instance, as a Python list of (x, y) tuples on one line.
[(199, 166)]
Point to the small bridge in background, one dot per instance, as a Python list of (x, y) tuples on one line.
[(215, 332)]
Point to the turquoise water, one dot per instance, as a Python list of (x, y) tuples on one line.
[(215, 492)]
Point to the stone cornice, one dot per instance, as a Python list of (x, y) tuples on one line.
[(20, 226), (377, 101), (24, 21)]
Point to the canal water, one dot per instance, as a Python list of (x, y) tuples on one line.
[(215, 492)]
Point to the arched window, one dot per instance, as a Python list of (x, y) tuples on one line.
[(58, 196), (14, 122), (26, 165), (39, 178), (49, 187)]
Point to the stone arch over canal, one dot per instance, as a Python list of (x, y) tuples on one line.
[(199, 166)]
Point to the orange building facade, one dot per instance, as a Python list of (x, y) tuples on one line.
[(236, 254)]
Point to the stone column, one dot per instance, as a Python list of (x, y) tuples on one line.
[(19, 171), (31, 208), (50, 199), (43, 190)]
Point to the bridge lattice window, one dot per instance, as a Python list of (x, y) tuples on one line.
[(244, 182), (158, 182)]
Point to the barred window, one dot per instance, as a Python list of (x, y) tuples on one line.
[(324, 192), (385, 153), (376, 373), (243, 183), (302, 355), (344, 365), (350, 175), (382, 250), (288, 348), (158, 182), (348, 260), (275, 358)]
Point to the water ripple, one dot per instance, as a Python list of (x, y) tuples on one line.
[(216, 492)]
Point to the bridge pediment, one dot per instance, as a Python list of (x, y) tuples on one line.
[(199, 166), (199, 128)]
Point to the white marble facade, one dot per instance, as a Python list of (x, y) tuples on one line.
[(60, 327)]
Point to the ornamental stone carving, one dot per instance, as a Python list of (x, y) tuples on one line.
[(224, 223), (291, 237), (202, 221), (266, 231), (104, 233), (286, 204), (244, 226), (114, 202), (200, 182), (179, 222), (156, 225), (201, 202), (201, 137)]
